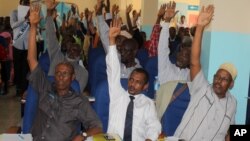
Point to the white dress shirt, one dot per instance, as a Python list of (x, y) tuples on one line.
[(207, 117), (166, 70), (145, 122)]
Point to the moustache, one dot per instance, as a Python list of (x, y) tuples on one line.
[(131, 88), (217, 85)]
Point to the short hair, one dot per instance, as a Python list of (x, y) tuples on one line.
[(143, 71), (68, 64), (187, 41), (131, 43)]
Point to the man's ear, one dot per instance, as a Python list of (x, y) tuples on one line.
[(145, 86), (231, 84), (73, 77)]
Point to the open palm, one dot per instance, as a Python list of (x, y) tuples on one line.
[(170, 11), (34, 17), (205, 15)]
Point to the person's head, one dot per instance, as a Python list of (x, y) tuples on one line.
[(138, 81), (120, 38), (187, 31), (183, 55), (192, 30), (72, 21), (134, 12), (7, 37), (143, 35), (172, 32), (64, 75), (181, 32), (66, 41), (224, 79), (24, 2), (129, 49), (182, 18), (74, 52)]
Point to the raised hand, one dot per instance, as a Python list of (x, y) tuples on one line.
[(114, 30), (98, 7), (129, 8), (170, 11), (51, 4), (205, 15), (34, 17), (161, 11)]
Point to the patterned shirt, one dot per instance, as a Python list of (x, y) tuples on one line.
[(152, 44)]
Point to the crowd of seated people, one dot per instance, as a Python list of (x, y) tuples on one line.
[(95, 54)]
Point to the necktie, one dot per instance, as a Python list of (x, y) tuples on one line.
[(129, 120)]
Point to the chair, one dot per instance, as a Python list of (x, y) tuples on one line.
[(142, 56), (98, 72), (175, 109), (152, 68), (101, 104), (93, 54)]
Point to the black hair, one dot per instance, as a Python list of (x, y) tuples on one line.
[(143, 71), (68, 64)]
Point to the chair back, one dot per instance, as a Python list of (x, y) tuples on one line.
[(152, 69), (142, 56), (101, 104)]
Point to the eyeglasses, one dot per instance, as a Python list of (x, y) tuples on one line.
[(63, 74), (219, 78)]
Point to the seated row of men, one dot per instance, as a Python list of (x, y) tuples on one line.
[(132, 115)]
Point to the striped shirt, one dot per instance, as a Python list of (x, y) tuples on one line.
[(207, 117)]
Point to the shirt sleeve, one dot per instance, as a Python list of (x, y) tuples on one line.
[(38, 81), (153, 125), (104, 32), (154, 40), (87, 115), (53, 44), (198, 85), (114, 73), (166, 70)]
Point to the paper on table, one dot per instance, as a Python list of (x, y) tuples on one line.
[(15, 137), (22, 11)]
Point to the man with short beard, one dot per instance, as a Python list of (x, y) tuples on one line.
[(73, 50), (212, 108)]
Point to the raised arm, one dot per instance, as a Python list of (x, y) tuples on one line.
[(128, 10), (102, 25), (204, 19), (53, 44), (32, 49), (165, 67), (113, 64)]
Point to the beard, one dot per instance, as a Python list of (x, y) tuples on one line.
[(72, 59)]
